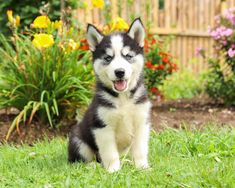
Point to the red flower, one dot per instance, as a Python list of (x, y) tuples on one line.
[(146, 44), (149, 42), (84, 45), (161, 67), (165, 60), (154, 90), (149, 35), (154, 41), (149, 65)]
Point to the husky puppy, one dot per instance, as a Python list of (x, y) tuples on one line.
[(118, 116)]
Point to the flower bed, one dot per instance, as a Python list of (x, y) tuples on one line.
[(221, 77), (45, 74)]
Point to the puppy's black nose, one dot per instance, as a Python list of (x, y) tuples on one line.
[(119, 73)]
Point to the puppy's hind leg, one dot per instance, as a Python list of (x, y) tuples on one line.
[(79, 151)]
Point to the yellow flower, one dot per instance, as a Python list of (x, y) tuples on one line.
[(10, 16), (119, 24), (41, 22), (98, 3), (58, 24), (17, 20), (43, 40), (73, 45)]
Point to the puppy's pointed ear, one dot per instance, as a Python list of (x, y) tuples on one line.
[(94, 36), (137, 32)]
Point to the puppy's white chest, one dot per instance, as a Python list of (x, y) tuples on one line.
[(125, 125), (124, 120)]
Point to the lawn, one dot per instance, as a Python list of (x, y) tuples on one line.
[(178, 158)]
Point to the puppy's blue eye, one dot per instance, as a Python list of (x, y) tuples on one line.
[(128, 56), (108, 58)]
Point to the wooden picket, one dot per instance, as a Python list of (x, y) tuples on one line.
[(188, 21)]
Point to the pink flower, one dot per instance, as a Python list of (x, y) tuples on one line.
[(226, 32), (232, 9), (230, 15), (221, 32), (215, 34), (231, 52), (224, 42)]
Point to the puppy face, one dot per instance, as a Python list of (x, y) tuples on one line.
[(118, 58)]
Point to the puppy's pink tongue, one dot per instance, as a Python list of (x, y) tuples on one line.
[(120, 85)]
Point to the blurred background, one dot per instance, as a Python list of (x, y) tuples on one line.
[(187, 22)]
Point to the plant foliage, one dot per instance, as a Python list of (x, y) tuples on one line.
[(49, 81), (221, 77), (159, 64)]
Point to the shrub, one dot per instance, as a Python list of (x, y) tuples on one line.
[(220, 83), (221, 77), (183, 84), (48, 77), (159, 64)]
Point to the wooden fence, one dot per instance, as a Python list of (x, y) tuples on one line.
[(187, 20)]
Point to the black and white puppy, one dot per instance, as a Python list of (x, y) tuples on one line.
[(118, 116)]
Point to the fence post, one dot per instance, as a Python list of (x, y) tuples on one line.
[(114, 6), (155, 13), (88, 13), (223, 6)]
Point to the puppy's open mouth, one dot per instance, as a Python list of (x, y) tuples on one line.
[(120, 85)]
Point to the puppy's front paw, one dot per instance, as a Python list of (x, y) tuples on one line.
[(141, 163), (114, 166)]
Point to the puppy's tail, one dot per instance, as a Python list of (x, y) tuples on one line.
[(74, 149)]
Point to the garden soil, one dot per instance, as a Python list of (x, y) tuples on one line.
[(185, 113), (191, 113)]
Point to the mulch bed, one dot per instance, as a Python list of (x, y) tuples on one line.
[(29, 133), (195, 112)]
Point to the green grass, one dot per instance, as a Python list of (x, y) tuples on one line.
[(178, 158)]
